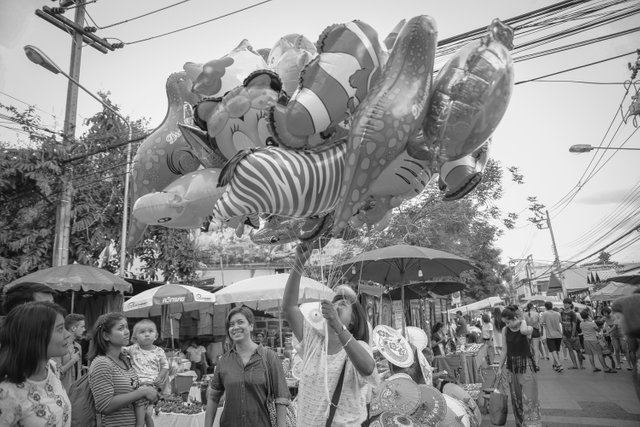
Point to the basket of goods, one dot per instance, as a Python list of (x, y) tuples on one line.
[(175, 405)]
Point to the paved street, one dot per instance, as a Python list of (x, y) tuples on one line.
[(578, 398)]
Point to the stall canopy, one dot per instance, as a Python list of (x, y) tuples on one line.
[(612, 291), (478, 305)]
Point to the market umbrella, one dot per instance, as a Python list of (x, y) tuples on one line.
[(167, 299), (174, 298), (266, 292), (75, 278), (401, 264), (612, 291), (631, 277), (422, 289)]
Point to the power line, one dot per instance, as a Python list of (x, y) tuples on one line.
[(136, 17), (199, 23), (576, 68)]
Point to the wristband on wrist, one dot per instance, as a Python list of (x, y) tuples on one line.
[(348, 341)]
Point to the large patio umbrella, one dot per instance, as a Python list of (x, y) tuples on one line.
[(401, 264), (266, 292), (422, 289), (166, 300), (174, 298), (75, 278)]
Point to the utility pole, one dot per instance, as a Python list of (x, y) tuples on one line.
[(80, 35), (556, 261), (528, 268), (63, 211)]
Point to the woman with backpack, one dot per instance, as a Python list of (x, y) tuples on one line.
[(113, 381), (31, 395)]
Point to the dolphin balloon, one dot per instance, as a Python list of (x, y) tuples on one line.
[(185, 203), (164, 155)]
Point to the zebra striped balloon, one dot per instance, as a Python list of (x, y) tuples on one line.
[(280, 181)]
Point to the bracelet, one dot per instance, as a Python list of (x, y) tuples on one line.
[(348, 341)]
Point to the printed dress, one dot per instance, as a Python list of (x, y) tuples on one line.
[(35, 403)]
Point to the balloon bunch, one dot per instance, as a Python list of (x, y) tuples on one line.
[(322, 138)]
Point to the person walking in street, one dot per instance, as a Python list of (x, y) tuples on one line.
[(613, 331), (341, 351), (487, 337), (570, 334), (248, 374), (550, 321), (31, 395), (521, 370), (532, 317), (590, 332)]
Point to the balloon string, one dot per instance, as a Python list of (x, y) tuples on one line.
[(326, 366)]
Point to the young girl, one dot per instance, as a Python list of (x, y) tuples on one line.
[(149, 362)]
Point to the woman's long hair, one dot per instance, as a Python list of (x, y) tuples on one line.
[(104, 324), (24, 339), (497, 318)]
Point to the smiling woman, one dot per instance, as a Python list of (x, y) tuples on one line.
[(31, 395), (250, 375)]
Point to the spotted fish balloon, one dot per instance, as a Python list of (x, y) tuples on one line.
[(392, 111)]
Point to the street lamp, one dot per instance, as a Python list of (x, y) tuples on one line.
[(585, 148), (38, 57)]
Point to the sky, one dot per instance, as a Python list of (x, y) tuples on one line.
[(542, 121)]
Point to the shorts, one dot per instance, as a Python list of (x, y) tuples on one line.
[(554, 344), (592, 348), (572, 343)]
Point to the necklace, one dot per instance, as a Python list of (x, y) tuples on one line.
[(117, 361)]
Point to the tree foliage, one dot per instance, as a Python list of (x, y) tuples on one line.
[(30, 183), (468, 227)]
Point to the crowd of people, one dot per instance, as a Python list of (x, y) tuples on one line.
[(41, 359)]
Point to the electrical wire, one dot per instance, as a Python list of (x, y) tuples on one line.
[(137, 17), (199, 23)]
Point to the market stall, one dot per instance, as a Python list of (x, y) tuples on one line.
[(464, 365)]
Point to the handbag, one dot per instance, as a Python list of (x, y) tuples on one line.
[(498, 403), (271, 402), (336, 397)]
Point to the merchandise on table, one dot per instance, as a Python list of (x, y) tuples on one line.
[(175, 405)]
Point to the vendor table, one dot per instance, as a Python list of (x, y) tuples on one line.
[(164, 419), (464, 365)]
